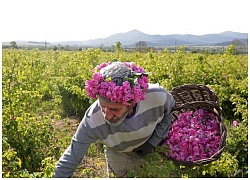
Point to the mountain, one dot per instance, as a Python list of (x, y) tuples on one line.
[(129, 39), (243, 41), (132, 37)]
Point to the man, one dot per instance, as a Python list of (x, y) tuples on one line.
[(130, 117)]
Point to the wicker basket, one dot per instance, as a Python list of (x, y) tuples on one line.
[(191, 98), (192, 92)]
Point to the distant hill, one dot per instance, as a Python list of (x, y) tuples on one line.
[(243, 41), (28, 43), (130, 38)]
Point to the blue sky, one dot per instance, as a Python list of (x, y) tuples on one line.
[(61, 20)]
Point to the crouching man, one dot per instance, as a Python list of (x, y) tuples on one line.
[(130, 117)]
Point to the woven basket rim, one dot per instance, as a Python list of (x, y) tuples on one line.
[(206, 93)]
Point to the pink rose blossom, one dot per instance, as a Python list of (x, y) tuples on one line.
[(235, 123), (194, 136), (126, 94)]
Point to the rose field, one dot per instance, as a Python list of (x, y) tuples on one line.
[(43, 101)]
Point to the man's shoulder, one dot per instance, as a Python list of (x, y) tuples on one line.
[(155, 88), (158, 93), (94, 108)]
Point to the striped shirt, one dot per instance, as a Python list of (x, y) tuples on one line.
[(151, 122)]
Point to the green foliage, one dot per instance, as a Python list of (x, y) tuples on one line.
[(237, 146), (40, 87), (226, 166), (231, 50), (10, 162), (118, 46), (27, 129), (48, 167), (154, 165)]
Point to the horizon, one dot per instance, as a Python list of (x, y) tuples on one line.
[(111, 35), (61, 20)]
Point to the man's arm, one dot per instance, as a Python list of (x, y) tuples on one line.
[(70, 159), (73, 155), (163, 127)]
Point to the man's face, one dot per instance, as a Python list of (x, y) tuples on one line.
[(114, 113)]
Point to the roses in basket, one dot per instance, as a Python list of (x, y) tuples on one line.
[(198, 134), (195, 135)]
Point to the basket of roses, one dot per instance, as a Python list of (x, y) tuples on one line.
[(198, 134)]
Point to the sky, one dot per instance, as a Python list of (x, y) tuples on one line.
[(79, 20)]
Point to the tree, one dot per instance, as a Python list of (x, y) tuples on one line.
[(118, 46), (13, 45), (240, 47), (140, 46), (55, 48), (230, 49)]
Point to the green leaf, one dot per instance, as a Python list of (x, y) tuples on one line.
[(108, 79)]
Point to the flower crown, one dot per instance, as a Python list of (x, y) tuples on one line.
[(132, 90)]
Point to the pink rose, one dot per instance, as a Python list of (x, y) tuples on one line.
[(235, 123)]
